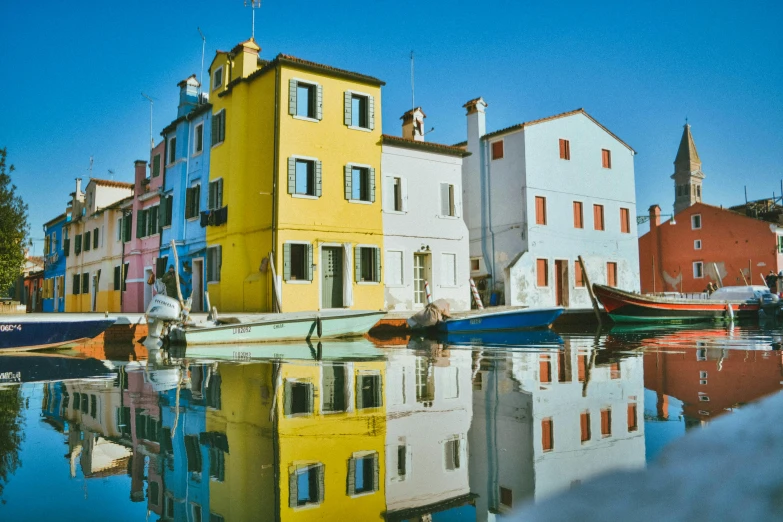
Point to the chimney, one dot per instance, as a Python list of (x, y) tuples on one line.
[(245, 59), (655, 216), (188, 95), (477, 126), (140, 176), (413, 124), (472, 203), (78, 187)]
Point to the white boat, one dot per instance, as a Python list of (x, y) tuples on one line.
[(292, 326), (329, 350)]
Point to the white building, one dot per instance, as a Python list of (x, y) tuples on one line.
[(429, 404), (538, 195), (545, 422), (425, 237)]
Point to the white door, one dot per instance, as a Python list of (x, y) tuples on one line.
[(198, 282)]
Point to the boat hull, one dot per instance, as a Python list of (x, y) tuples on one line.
[(522, 319), (16, 368), (329, 350), (504, 338), (625, 307), (37, 332), (280, 327)]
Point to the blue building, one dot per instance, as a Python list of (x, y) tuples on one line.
[(185, 190), (55, 248)]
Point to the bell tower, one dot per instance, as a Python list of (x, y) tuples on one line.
[(687, 173)]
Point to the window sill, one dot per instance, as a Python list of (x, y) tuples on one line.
[(367, 283), (298, 282), (305, 118), (194, 218), (304, 196), (396, 211), (448, 217), (360, 201), (217, 144), (362, 494), (213, 282), (497, 159), (363, 129), (197, 154)]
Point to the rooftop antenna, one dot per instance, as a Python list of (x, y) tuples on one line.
[(413, 95), (254, 4), (90, 169), (203, 47), (152, 141), (111, 174)]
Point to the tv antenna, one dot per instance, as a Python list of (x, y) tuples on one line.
[(254, 4), (90, 168), (203, 47), (111, 174), (152, 141), (413, 96)]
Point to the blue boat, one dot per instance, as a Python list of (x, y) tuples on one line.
[(514, 319), (504, 338), (16, 368), (21, 332)]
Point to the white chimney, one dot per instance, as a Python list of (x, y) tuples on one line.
[(413, 124), (471, 168)]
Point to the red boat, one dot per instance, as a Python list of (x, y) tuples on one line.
[(628, 307)]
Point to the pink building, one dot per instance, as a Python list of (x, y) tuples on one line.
[(141, 252)]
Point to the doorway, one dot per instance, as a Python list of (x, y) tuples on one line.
[(561, 282), (56, 294), (421, 274), (198, 286), (94, 296), (331, 277)]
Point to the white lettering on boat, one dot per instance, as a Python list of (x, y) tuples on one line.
[(475, 321), (10, 327), (240, 330), (245, 356), (11, 376), (279, 325)]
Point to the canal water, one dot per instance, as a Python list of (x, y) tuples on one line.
[(459, 429)]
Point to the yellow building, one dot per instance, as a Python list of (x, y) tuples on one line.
[(307, 441), (93, 246), (295, 172)]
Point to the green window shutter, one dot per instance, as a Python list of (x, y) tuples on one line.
[(286, 261), (351, 477), (310, 262), (377, 274), (95, 238), (291, 175), (219, 196), (211, 195), (214, 129), (375, 472), (77, 248), (140, 223), (127, 223), (196, 200), (357, 263), (319, 102), (318, 178), (371, 112), (372, 184), (162, 211), (348, 182), (292, 97), (219, 261), (223, 125), (169, 209), (348, 108), (188, 202), (67, 247), (293, 492)]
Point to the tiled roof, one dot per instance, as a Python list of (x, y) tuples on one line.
[(386, 139), (111, 183), (461, 144), (520, 126)]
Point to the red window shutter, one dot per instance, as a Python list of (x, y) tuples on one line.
[(606, 423), (606, 158), (545, 369), (584, 421), (542, 274), (611, 274), (547, 435), (582, 367), (562, 374), (598, 217), (579, 281), (540, 210), (625, 221), (632, 423), (497, 150), (614, 372), (565, 150), (578, 219)]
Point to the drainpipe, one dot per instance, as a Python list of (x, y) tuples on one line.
[(485, 159), (274, 167)]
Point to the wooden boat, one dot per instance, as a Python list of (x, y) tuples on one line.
[(628, 307), (291, 326), (510, 319), (20, 332)]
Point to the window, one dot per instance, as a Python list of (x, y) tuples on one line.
[(632, 422), (306, 486), (298, 398), (579, 276), (198, 141), (368, 264), (304, 177), (425, 381), (172, 150), (152, 220), (578, 215), (695, 221), (86, 241), (141, 223), (77, 247), (698, 270), (368, 391), (218, 127), (359, 111), (192, 201), (598, 217), (448, 269), (475, 264), (397, 195), (703, 398), (547, 434), (606, 422), (497, 150), (195, 511), (506, 497), (584, 421), (452, 454), (625, 221), (333, 388), (217, 78), (166, 209), (697, 245), (394, 268), (96, 238), (544, 369), (611, 273), (363, 474), (565, 149), (127, 221), (447, 202), (402, 461), (156, 166), (540, 210), (606, 158), (297, 262), (702, 375), (542, 272), (193, 453), (214, 263), (215, 196), (86, 283), (305, 100), (359, 183), (117, 277), (581, 361)]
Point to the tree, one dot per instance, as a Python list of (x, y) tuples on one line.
[(12, 405), (13, 226)]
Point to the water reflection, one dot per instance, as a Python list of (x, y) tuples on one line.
[(457, 429)]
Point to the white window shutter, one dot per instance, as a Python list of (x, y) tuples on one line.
[(371, 112), (310, 262), (457, 200), (291, 97), (286, 261), (347, 279), (319, 102), (318, 178), (357, 253), (348, 108), (444, 199), (291, 175), (220, 193), (404, 189), (387, 197), (372, 184), (377, 265)]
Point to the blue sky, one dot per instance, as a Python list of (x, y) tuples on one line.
[(73, 73)]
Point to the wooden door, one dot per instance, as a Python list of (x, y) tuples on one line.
[(561, 282), (331, 277)]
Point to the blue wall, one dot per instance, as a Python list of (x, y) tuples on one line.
[(55, 264)]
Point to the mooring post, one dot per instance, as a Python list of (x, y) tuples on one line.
[(590, 291)]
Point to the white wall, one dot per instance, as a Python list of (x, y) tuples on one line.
[(421, 225)]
